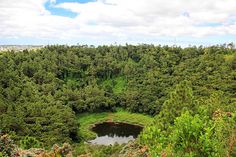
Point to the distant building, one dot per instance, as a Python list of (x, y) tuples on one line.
[(19, 47)]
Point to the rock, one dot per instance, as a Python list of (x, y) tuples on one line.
[(33, 152), (133, 149)]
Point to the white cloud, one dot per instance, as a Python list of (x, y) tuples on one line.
[(118, 19)]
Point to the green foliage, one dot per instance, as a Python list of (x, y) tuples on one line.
[(93, 99), (29, 142), (116, 85), (217, 101), (42, 90), (181, 100), (120, 85), (193, 136), (50, 122), (154, 138), (136, 77)]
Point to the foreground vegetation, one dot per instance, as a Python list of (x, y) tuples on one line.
[(47, 96), (188, 127)]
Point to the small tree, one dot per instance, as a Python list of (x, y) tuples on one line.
[(181, 99)]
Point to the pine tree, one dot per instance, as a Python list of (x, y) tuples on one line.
[(181, 99)]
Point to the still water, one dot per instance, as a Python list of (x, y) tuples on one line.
[(111, 133)]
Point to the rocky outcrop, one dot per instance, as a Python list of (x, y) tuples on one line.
[(64, 151)]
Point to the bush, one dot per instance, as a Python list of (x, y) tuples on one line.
[(193, 136), (29, 142)]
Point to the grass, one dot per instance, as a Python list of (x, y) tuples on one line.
[(87, 120), (120, 85), (132, 118)]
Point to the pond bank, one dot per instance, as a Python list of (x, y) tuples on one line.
[(88, 120)]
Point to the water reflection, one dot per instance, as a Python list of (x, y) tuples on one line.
[(110, 133)]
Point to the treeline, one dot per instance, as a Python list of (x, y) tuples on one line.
[(41, 91)]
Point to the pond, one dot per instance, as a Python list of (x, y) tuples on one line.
[(109, 133)]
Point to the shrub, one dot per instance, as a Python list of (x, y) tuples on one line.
[(29, 142), (193, 136)]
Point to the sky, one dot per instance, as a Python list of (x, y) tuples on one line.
[(99, 22)]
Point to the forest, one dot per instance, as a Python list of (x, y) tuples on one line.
[(185, 98)]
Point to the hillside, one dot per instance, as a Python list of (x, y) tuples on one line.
[(184, 97)]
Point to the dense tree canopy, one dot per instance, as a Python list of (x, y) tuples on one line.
[(41, 91)]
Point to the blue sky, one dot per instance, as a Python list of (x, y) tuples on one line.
[(59, 11), (63, 12), (98, 22)]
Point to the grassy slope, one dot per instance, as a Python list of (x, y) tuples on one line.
[(118, 84), (86, 120)]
